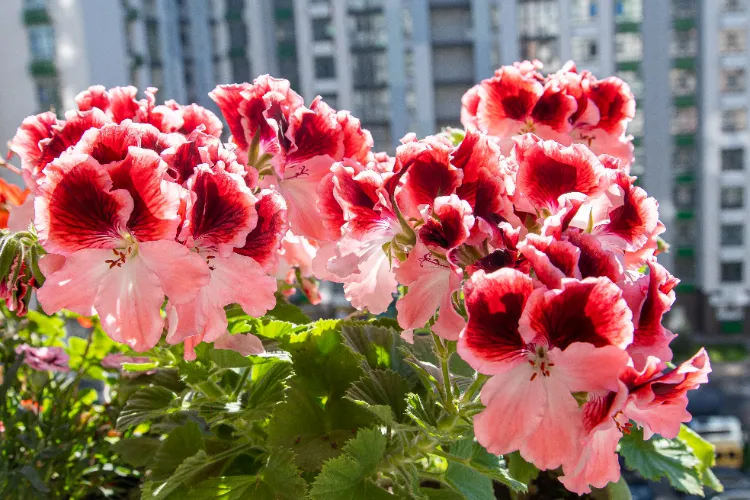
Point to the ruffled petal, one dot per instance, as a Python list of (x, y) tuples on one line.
[(448, 224), (129, 305), (591, 310), (73, 282), (548, 170), (491, 342), (181, 273), (220, 212), (76, 207), (585, 368), (156, 201), (263, 242), (509, 398)]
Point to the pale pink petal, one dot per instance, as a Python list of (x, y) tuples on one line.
[(245, 344), (585, 368), (598, 465), (554, 440), (514, 409), (181, 272), (129, 305), (74, 284)]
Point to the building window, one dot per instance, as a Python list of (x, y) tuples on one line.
[(540, 18), (322, 30), (684, 196), (372, 105), (42, 42), (732, 197), (683, 8), (584, 49), (585, 11), (628, 47), (733, 6), (34, 4), (684, 268), (734, 120), (325, 67), (732, 41), (237, 34), (628, 11), (731, 272), (683, 232), (684, 120), (367, 29), (732, 235), (331, 99), (47, 93), (733, 80), (733, 159), (240, 69), (685, 160), (547, 51), (369, 68), (682, 81), (684, 43)]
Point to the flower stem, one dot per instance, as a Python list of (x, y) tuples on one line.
[(241, 384), (444, 356)]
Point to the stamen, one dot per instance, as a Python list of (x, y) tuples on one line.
[(533, 376)]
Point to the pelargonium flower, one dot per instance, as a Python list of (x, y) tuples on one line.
[(44, 358), (115, 228), (43, 138), (271, 127), (567, 107), (541, 346), (221, 214)]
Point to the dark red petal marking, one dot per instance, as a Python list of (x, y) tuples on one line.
[(222, 211), (590, 311), (76, 209), (495, 303), (263, 242), (154, 214)]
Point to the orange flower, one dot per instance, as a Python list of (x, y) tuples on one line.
[(30, 405), (10, 195)]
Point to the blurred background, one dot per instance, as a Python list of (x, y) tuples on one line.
[(403, 65)]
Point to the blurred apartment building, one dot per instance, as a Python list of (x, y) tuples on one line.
[(403, 65)]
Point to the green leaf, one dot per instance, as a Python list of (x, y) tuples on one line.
[(382, 388), (191, 469), (136, 451), (226, 358), (181, 443), (662, 458), (705, 452), (49, 326), (139, 367), (483, 467), (33, 477), (278, 479), (314, 427), (446, 494), (346, 477), (267, 384), (521, 470), (149, 403), (378, 346), (224, 488), (289, 312), (618, 490)]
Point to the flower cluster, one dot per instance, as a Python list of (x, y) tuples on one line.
[(553, 247), (523, 238), (567, 107), (135, 202)]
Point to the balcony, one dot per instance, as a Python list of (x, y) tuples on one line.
[(43, 68), (33, 17)]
